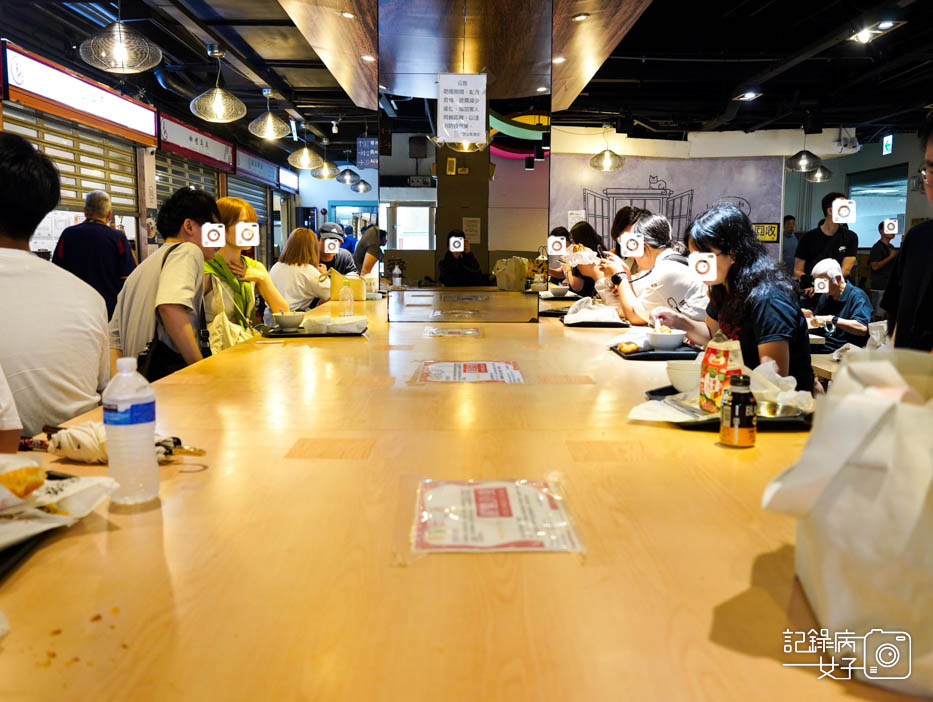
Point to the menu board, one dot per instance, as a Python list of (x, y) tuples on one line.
[(461, 107), (367, 152), (489, 516)]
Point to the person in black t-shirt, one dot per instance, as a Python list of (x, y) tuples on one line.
[(460, 269), (908, 299), (881, 259), (95, 252), (842, 315), (341, 260), (583, 278), (751, 298), (828, 240)]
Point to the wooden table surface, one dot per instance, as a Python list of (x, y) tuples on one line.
[(270, 570), (824, 366)]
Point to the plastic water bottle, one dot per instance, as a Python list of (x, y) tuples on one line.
[(129, 421), (346, 300), (396, 277)]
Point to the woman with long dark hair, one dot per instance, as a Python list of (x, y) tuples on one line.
[(751, 298)]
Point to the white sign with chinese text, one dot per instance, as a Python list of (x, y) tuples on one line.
[(461, 107), (194, 142), (249, 165), (471, 229), (288, 179)]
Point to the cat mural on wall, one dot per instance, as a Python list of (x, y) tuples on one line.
[(655, 183)]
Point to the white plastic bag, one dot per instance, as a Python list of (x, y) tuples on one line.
[(862, 492), (510, 273)]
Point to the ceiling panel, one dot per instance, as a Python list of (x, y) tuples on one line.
[(245, 9), (277, 43), (300, 78)]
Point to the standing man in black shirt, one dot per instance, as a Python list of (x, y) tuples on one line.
[(908, 299), (828, 240), (95, 252), (881, 260)]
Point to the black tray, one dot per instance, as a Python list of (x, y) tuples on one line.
[(553, 312), (14, 555), (661, 393), (272, 333), (801, 423), (599, 325), (684, 353)]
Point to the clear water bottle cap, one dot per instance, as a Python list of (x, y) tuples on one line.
[(126, 364)]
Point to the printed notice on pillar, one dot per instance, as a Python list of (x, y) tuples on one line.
[(519, 515), (461, 107), (470, 372)]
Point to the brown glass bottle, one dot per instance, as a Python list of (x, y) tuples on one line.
[(738, 422)]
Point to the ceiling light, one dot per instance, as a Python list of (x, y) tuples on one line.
[(607, 160), (326, 171), (582, 17), (539, 152), (864, 36), (819, 175), (334, 128), (348, 15), (348, 177), (367, 58), (747, 96), (559, 59), (267, 125), (885, 25), (542, 89), (217, 104), (546, 140), (118, 48), (803, 162), (529, 163), (361, 187), (382, 87), (304, 158)]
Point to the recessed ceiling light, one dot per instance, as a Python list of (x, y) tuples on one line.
[(348, 15), (542, 89), (367, 58), (583, 16), (885, 25), (559, 59), (748, 95), (864, 36)]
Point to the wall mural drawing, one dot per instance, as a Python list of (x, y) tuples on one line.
[(681, 189)]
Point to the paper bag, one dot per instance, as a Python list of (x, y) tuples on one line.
[(511, 273), (863, 495), (357, 285)]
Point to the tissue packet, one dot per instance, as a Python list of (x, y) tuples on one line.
[(722, 358)]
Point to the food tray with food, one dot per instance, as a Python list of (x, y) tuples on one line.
[(630, 352), (299, 333)]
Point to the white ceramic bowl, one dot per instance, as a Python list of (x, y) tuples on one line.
[(661, 341), (288, 320), (684, 375), (559, 290)]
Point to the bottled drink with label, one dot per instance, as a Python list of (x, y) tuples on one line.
[(396, 277), (738, 422), (346, 300), (129, 422)]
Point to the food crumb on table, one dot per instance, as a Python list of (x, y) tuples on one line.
[(56, 632), (96, 618)]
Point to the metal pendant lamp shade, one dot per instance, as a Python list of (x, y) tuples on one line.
[(803, 162), (819, 175), (305, 159), (326, 171), (607, 160), (118, 48), (217, 105), (529, 163), (267, 125), (361, 187), (348, 177)]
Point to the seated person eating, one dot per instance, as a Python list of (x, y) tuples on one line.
[(299, 274), (842, 314), (751, 298), (663, 277), (582, 279), (460, 268)]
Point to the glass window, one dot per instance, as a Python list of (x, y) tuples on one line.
[(413, 227), (879, 195)]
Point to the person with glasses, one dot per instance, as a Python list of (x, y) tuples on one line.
[(908, 299), (751, 299)]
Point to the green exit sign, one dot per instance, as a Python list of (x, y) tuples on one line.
[(887, 145)]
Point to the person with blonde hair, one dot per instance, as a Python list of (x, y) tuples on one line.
[(231, 279), (299, 273)]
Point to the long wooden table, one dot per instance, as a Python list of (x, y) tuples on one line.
[(269, 571)]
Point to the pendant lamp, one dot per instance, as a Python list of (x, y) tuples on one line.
[(803, 162), (327, 170), (305, 159), (118, 48), (267, 125), (348, 177), (529, 163), (361, 187), (217, 105), (607, 159), (818, 175)]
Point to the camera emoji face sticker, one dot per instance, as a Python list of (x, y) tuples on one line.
[(704, 265), (821, 285), (213, 234), (331, 246), (632, 245), (457, 244), (556, 245), (844, 211), (246, 233)]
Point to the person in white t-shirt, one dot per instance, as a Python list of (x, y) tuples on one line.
[(53, 348), (663, 278), (162, 299), (299, 275), (9, 419)]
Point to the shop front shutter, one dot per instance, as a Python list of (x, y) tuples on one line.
[(173, 172), (253, 193), (86, 159)]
